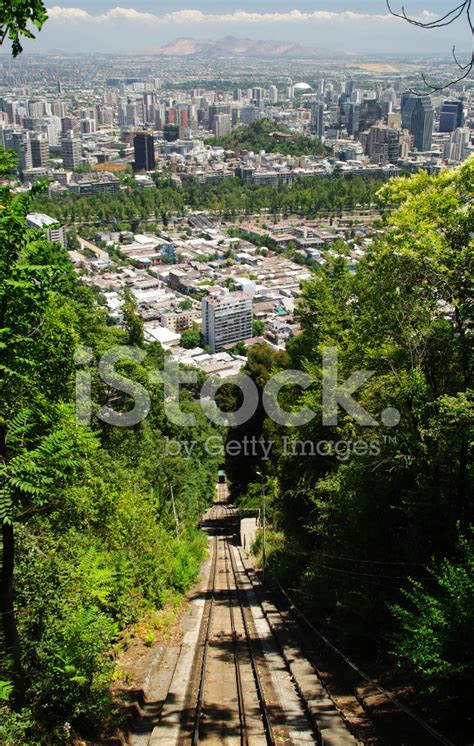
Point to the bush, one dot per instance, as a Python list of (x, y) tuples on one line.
[(436, 639)]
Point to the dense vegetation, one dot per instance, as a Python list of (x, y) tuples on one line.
[(374, 536), (231, 197), (90, 543), (271, 137)]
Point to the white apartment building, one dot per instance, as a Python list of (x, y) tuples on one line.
[(43, 222), (226, 319)]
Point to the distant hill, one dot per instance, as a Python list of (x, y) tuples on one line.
[(231, 46), (273, 138)]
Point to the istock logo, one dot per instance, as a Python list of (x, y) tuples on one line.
[(336, 396)]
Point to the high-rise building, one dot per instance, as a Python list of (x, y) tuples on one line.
[(422, 121), (317, 118), (452, 115), (149, 107), (71, 151), (19, 140), (353, 115), (383, 145), (221, 125), (249, 114), (408, 103), (418, 118), (39, 150), (257, 95), (350, 85), (226, 319), (273, 94), (87, 126), (144, 149)]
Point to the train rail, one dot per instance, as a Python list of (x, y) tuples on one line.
[(242, 721)]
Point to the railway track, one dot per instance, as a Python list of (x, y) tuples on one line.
[(231, 679), (242, 685)]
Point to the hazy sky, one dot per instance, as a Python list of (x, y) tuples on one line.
[(338, 25)]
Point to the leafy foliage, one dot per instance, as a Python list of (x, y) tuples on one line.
[(15, 19), (271, 137), (436, 636), (89, 540), (364, 509)]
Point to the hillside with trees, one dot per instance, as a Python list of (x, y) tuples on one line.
[(272, 137), (90, 542), (372, 525)]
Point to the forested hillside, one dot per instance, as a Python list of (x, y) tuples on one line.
[(271, 137), (89, 540), (372, 526)]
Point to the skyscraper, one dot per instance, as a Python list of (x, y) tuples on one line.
[(39, 150), (408, 103), (222, 124), (19, 140), (317, 118), (452, 115), (353, 114), (144, 147), (226, 319), (418, 118), (422, 121), (71, 151)]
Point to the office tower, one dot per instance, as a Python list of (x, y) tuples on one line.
[(221, 125), (36, 108), (408, 103), (11, 109), (67, 125), (418, 119), (144, 149), (353, 115), (383, 145), (19, 140), (452, 116), (132, 115), (226, 319), (237, 94), (273, 94), (257, 95), (149, 107), (422, 121), (59, 88), (457, 147), (87, 126), (43, 222), (39, 150), (321, 87), (52, 127), (71, 151), (249, 114), (350, 85), (58, 109), (317, 118)]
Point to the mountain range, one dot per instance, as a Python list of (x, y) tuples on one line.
[(231, 46)]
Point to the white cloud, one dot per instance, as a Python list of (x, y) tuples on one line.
[(58, 14)]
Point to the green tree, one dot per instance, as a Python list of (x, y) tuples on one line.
[(133, 321), (190, 339), (15, 19)]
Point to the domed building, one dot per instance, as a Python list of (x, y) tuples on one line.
[(300, 88)]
